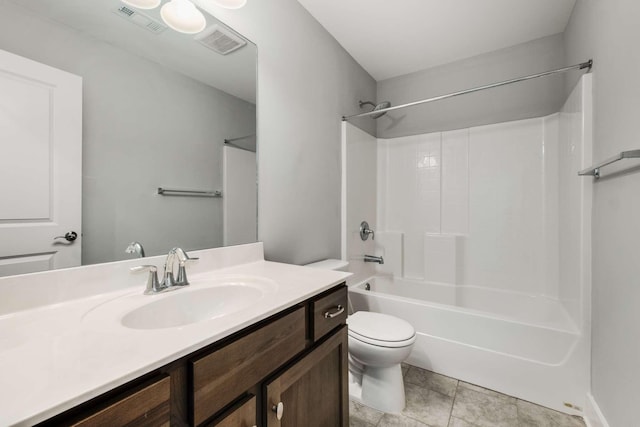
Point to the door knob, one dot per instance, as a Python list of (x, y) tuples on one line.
[(279, 410), (69, 237)]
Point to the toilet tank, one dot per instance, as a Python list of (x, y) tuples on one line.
[(330, 264)]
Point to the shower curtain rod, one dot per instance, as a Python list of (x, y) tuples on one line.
[(580, 66), (230, 143), (228, 140)]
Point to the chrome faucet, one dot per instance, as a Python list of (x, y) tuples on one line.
[(366, 231), (169, 283), (371, 258), (183, 258), (135, 248), (153, 285), (168, 279)]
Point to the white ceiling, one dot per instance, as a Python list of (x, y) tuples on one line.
[(390, 38), (234, 73)]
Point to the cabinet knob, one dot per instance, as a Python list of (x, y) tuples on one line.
[(278, 409)]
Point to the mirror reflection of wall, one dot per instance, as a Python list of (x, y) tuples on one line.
[(151, 117)]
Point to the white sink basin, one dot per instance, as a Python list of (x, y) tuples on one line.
[(204, 299), (182, 308)]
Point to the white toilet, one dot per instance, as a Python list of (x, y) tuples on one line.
[(378, 343)]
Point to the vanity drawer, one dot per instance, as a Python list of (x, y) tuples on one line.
[(145, 405), (329, 311), (223, 375), (241, 415)]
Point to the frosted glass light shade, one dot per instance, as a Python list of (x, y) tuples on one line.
[(142, 4), (230, 4), (183, 16)]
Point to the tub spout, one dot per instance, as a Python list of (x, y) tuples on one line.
[(371, 258)]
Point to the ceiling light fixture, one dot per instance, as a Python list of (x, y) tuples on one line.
[(230, 4), (183, 16), (142, 4)]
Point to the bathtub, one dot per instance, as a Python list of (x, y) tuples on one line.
[(514, 343)]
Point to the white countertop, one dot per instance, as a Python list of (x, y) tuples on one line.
[(58, 355)]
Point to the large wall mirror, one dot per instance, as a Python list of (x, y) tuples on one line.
[(157, 109)]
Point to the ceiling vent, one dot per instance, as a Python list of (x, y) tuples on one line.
[(220, 39), (140, 19)]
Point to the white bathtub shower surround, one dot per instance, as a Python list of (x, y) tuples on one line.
[(488, 184), (359, 159), (575, 200), (497, 206), (488, 236), (512, 306), (531, 355), (443, 258)]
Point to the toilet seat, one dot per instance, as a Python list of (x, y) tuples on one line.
[(380, 330), (387, 344)]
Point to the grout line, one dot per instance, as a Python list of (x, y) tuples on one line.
[(517, 412), (455, 395)]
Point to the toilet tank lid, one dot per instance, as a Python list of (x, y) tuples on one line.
[(380, 327), (330, 264)]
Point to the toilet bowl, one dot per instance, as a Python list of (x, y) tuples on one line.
[(378, 344)]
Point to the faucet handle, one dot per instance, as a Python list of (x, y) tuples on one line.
[(366, 231), (153, 285), (182, 280), (183, 256)]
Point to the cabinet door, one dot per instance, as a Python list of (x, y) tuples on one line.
[(224, 375), (242, 415), (314, 391)]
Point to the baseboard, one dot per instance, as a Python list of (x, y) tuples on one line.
[(593, 415)]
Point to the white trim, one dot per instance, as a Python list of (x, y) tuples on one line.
[(343, 191), (593, 416)]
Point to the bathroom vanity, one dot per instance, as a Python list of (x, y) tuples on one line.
[(278, 360)]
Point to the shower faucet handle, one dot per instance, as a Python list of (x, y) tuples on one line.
[(365, 231)]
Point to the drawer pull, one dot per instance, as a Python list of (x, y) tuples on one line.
[(279, 410), (338, 311)]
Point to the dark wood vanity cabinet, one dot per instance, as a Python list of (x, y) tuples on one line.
[(224, 374), (288, 370), (312, 391), (244, 414)]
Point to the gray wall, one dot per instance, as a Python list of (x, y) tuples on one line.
[(523, 100), (608, 31), (144, 126), (306, 82)]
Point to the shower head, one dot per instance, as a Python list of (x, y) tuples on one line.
[(382, 105)]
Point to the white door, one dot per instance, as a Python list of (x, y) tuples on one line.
[(239, 196), (40, 170)]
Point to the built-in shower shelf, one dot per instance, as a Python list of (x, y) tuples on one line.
[(594, 171)]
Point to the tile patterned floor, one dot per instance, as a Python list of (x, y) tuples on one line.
[(434, 400)]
